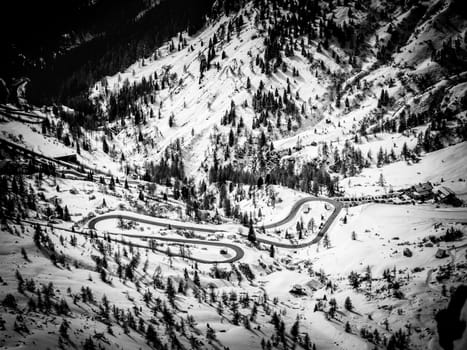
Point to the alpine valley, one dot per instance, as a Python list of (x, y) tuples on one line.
[(233, 174)]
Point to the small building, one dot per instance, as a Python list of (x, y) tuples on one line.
[(442, 193), (446, 195), (441, 253), (422, 191), (69, 158), (314, 284), (297, 289)]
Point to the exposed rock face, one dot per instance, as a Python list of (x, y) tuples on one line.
[(450, 327)]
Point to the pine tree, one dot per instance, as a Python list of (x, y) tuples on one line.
[(210, 333), (227, 207), (405, 151), (348, 304), (381, 180), (196, 279), (354, 279), (251, 234), (231, 138), (380, 157), (25, 255), (105, 146), (66, 215), (63, 330), (112, 183), (181, 287), (89, 344), (246, 323), (170, 290), (295, 330), (151, 336)]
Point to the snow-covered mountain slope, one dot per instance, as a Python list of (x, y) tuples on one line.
[(334, 99)]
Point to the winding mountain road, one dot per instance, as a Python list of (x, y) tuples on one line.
[(293, 212), (239, 253)]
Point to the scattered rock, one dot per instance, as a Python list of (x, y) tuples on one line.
[(407, 252)]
